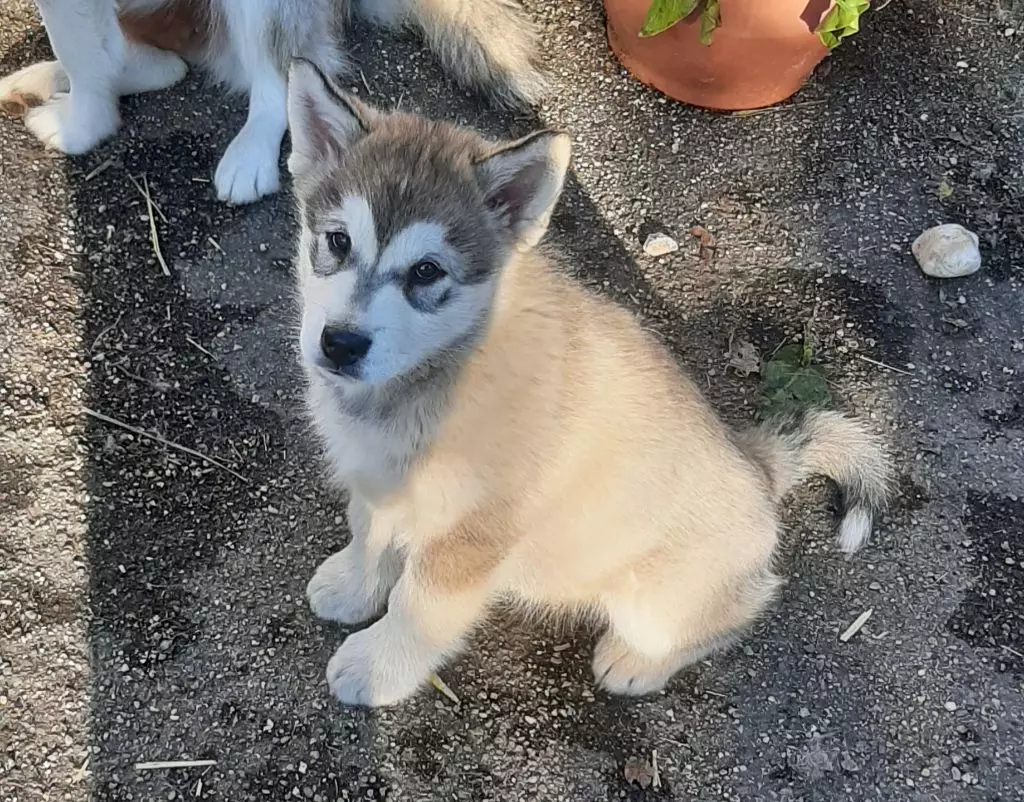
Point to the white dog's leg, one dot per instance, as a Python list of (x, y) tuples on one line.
[(149, 69), (248, 169), (32, 85), (146, 69), (89, 44), (95, 64)]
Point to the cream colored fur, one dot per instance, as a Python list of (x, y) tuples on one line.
[(577, 467)]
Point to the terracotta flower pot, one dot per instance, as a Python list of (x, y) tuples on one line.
[(762, 51)]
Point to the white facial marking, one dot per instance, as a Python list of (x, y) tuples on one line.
[(356, 217), (414, 242), (326, 299)]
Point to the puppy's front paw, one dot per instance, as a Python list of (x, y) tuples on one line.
[(369, 669), (620, 670), (74, 123), (340, 590)]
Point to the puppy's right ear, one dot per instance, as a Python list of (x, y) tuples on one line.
[(324, 120)]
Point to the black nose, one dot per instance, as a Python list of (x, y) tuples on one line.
[(343, 347)]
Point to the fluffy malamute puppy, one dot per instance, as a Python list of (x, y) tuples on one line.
[(104, 49), (504, 432)]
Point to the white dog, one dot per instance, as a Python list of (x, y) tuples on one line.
[(105, 49)]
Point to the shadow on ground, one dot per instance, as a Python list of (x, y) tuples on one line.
[(199, 644)]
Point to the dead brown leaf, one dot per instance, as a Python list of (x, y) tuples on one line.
[(707, 242), (744, 358), (639, 771)]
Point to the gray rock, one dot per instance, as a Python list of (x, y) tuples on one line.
[(660, 245), (947, 251)]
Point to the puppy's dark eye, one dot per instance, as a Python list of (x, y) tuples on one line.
[(425, 272), (339, 244)]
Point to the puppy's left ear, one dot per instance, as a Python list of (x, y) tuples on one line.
[(522, 182), (324, 121)]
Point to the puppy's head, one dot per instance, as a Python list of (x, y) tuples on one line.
[(406, 225)]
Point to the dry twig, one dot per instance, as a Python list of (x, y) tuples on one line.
[(155, 765), (198, 347), (777, 109), (99, 169), (164, 441), (876, 363), (106, 331), (145, 193), (151, 208), (855, 627), (442, 686)]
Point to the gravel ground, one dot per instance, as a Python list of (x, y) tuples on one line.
[(151, 603)]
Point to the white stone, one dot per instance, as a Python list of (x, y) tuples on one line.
[(660, 245), (947, 251)]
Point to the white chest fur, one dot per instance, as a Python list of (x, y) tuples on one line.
[(366, 455)]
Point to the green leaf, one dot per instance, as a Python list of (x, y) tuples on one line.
[(842, 20), (809, 386), (791, 384), (663, 14), (709, 19), (795, 354)]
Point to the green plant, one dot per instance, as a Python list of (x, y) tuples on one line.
[(841, 21), (791, 383)]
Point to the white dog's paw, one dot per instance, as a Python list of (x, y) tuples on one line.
[(32, 85), (73, 123), (339, 591), (620, 670), (248, 169), (148, 69), (369, 669)]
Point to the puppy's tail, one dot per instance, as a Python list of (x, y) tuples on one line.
[(829, 444), (487, 45)]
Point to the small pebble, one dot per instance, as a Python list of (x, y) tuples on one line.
[(950, 706), (947, 251), (660, 245)]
